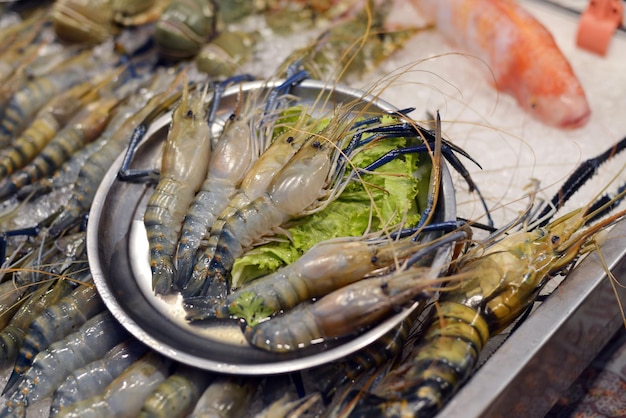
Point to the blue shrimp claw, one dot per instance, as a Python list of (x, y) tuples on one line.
[(284, 88), (133, 175), (218, 91), (32, 231), (447, 148)]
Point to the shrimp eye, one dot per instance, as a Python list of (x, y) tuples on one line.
[(290, 139), (555, 239), (533, 103), (316, 144), (189, 114)]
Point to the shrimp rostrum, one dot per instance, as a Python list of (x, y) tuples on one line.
[(502, 281)]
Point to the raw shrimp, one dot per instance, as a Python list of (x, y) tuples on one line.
[(328, 266), (231, 158), (52, 366), (85, 127), (125, 395), (96, 166), (95, 21), (380, 351), (26, 102), (329, 377), (343, 312), (93, 378), (226, 396), (55, 323), (68, 173), (521, 53), (27, 274), (48, 121), (355, 45), (503, 280), (183, 168), (178, 394), (12, 336)]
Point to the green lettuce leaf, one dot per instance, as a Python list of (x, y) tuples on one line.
[(387, 197)]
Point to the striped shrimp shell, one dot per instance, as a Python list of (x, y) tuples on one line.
[(235, 161), (125, 395), (178, 394), (83, 129), (35, 94), (12, 336), (96, 166), (93, 378), (252, 218), (52, 366), (58, 321)]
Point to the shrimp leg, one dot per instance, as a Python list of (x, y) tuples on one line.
[(585, 171), (447, 149), (31, 231)]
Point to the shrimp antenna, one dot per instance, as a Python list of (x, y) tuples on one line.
[(585, 171)]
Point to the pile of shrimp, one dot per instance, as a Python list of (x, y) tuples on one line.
[(82, 84)]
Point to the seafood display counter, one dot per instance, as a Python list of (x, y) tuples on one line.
[(523, 369)]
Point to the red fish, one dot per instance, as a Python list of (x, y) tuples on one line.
[(525, 60)]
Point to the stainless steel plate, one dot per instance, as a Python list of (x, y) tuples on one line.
[(118, 256)]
